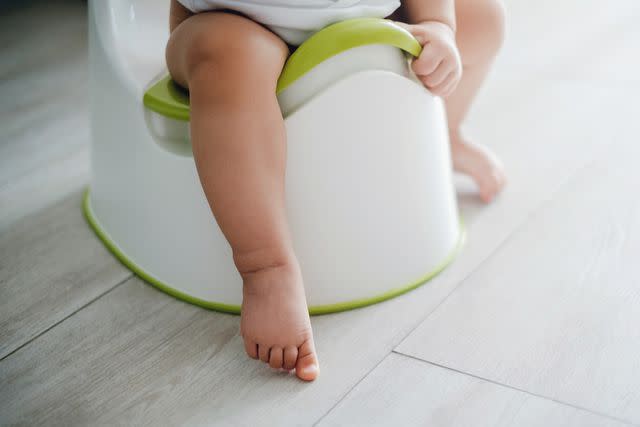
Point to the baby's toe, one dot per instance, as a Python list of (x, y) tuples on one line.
[(263, 352), (486, 193), (307, 367), (491, 185), (275, 357), (290, 357), (251, 348)]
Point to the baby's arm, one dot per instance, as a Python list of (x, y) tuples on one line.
[(433, 24)]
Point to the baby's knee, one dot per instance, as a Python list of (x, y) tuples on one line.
[(481, 29), (227, 46)]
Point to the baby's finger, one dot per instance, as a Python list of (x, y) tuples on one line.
[(415, 31), (403, 25), (427, 62), (455, 80), (438, 76), (447, 86)]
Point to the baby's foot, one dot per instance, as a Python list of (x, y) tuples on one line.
[(275, 322), (479, 163)]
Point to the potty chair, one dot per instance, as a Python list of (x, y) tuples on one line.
[(369, 190)]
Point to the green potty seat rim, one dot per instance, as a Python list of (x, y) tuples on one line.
[(342, 36), (168, 99)]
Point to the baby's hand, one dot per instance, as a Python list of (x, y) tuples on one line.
[(438, 66)]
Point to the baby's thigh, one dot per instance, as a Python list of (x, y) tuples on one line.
[(235, 46)]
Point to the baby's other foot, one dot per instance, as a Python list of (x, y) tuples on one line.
[(480, 164), (275, 322)]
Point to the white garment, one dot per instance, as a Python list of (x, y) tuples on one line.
[(295, 20)]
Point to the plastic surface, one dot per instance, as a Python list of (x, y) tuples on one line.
[(235, 309), (369, 192)]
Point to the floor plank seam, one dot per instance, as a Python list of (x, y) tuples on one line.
[(351, 389), (461, 281), (48, 163), (538, 208), (540, 396), (76, 192), (527, 218), (44, 331)]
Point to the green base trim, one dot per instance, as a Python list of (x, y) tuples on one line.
[(235, 309), (124, 259)]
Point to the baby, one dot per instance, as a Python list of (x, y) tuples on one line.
[(229, 55)]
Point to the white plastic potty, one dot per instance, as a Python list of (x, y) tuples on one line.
[(369, 189)]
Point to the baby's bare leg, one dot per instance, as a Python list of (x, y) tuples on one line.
[(231, 65), (479, 35)]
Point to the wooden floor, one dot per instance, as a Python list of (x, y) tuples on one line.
[(536, 324)]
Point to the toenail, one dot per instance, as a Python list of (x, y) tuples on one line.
[(309, 369)]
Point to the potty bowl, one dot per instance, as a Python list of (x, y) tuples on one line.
[(369, 190)]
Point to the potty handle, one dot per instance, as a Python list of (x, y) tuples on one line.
[(342, 36)]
